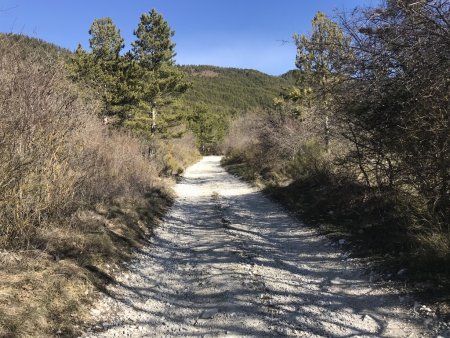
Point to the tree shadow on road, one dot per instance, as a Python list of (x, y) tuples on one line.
[(259, 269)]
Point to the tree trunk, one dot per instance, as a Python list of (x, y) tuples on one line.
[(153, 120), (327, 135)]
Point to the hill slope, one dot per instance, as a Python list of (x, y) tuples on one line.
[(35, 47), (231, 90), (219, 94), (220, 89)]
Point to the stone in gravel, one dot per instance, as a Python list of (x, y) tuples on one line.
[(401, 272), (367, 318), (283, 331), (346, 254), (209, 313), (425, 309), (341, 241), (336, 281)]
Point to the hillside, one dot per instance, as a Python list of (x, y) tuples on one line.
[(216, 96), (35, 46), (139, 197), (232, 90)]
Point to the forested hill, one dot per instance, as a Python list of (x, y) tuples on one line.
[(35, 46), (232, 90), (221, 90)]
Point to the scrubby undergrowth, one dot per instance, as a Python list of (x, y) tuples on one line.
[(390, 228), (383, 229), (360, 145), (75, 197)]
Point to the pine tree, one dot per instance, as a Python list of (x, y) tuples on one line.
[(208, 127), (155, 52), (134, 85), (106, 41), (153, 46), (319, 62), (80, 65), (103, 70)]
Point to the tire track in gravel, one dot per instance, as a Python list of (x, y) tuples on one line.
[(226, 261)]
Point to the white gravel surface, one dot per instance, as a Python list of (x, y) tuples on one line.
[(227, 261)]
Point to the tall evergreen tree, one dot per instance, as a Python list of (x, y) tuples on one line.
[(103, 69), (133, 87), (106, 41), (155, 52), (319, 61), (153, 46)]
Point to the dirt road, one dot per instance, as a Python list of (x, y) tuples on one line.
[(228, 262)]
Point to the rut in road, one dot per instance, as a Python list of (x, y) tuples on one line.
[(228, 261)]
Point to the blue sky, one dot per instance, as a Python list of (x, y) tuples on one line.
[(230, 33)]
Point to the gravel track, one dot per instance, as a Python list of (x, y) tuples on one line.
[(227, 261)]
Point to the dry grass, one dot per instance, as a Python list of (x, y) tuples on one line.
[(46, 292), (75, 197), (41, 297), (173, 156)]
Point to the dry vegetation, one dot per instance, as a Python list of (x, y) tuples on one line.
[(274, 147), (382, 181), (75, 197)]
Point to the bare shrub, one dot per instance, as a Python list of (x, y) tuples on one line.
[(394, 108), (277, 144), (184, 151), (112, 162), (170, 157), (37, 114), (290, 140), (75, 196), (56, 156), (242, 135)]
